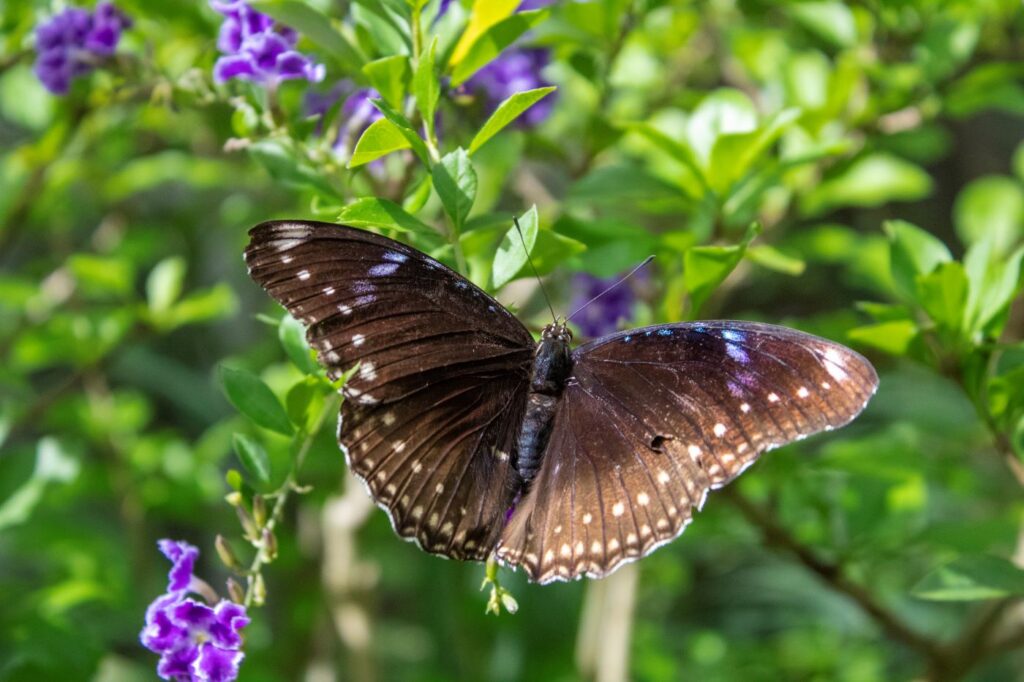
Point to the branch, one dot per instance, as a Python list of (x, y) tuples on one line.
[(832, 575)]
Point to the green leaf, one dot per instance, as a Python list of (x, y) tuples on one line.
[(769, 257), (913, 252), (163, 286), (253, 457), (485, 14), (723, 112), (624, 182), (404, 127), (994, 282), (254, 399), (872, 180), (426, 87), (550, 251), (833, 21), (893, 337), (455, 182), (286, 164), (315, 26), (292, 335), (217, 302), (991, 206), (512, 254), (390, 77), (382, 214), (943, 295), (508, 111), (679, 150), (490, 44), (53, 465), (102, 275), (705, 267), (733, 155), (380, 138), (972, 578)]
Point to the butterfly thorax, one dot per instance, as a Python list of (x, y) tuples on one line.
[(552, 364)]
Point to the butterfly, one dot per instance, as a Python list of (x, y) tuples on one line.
[(479, 441)]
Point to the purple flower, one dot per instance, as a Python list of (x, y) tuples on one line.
[(513, 71), (72, 42), (257, 49), (195, 642), (607, 313)]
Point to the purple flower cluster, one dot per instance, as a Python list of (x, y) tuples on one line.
[(195, 642), (257, 49), (515, 70), (72, 43), (607, 313)]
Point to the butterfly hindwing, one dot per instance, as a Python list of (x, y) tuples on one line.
[(429, 418), (652, 419)]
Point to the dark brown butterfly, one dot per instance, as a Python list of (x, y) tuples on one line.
[(479, 441)]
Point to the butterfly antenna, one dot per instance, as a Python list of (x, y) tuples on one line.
[(529, 260), (621, 280)]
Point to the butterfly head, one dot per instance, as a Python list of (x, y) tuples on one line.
[(557, 330)]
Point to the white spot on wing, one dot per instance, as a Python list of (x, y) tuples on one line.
[(745, 407), (587, 518), (383, 269), (618, 509), (328, 291), (719, 430), (358, 340), (802, 392), (773, 398), (642, 499), (303, 275)]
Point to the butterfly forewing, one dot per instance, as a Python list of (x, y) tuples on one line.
[(430, 414), (652, 419)]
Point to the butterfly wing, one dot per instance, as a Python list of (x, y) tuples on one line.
[(652, 419), (431, 414)]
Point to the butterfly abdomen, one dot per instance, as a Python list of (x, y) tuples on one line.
[(552, 364)]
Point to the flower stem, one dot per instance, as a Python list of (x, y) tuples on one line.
[(263, 556)]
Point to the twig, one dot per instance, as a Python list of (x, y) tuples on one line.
[(262, 555), (832, 574)]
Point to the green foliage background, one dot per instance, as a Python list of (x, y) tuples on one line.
[(877, 146)]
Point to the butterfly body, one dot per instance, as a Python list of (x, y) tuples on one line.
[(552, 365), (479, 441)]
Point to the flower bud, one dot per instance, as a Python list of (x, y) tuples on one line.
[(235, 591), (269, 544), (251, 534), (259, 590), (227, 555), (259, 510), (234, 498)]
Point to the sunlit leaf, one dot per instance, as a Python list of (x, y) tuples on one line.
[(254, 399)]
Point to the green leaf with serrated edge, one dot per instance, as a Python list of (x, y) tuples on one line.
[(317, 27), (380, 138), (404, 127), (253, 457), (943, 295), (972, 578), (512, 253), (913, 252), (507, 112), (705, 267), (292, 335), (893, 337), (390, 77), (254, 399), (455, 183), (382, 214), (769, 257), (426, 87), (164, 284), (493, 41)]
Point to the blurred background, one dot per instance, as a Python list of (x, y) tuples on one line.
[(853, 169)]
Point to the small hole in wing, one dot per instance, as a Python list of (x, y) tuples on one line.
[(658, 442)]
